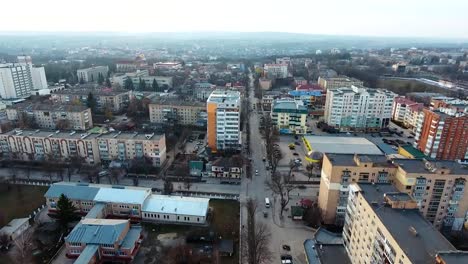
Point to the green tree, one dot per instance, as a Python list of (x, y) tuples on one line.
[(155, 86), (142, 85), (108, 82), (100, 79), (128, 84), (65, 211), (91, 102)]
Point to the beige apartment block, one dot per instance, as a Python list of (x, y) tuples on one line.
[(339, 171), (165, 110), (384, 225), (439, 187), (93, 148), (51, 116), (115, 99)]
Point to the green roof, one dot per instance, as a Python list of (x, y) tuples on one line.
[(413, 151)]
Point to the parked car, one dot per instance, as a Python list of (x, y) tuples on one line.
[(265, 214), (295, 154), (286, 247), (297, 143)]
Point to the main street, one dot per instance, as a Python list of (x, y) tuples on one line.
[(283, 231)]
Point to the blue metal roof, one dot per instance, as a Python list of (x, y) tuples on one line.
[(305, 93), (97, 209), (132, 236), (74, 192), (97, 231), (176, 205), (87, 254)]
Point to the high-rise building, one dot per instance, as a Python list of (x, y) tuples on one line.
[(339, 171), (439, 188), (38, 76), (442, 136), (92, 74), (274, 71), (357, 108), (384, 225), (401, 107), (289, 116), (338, 82), (223, 126), (15, 81)]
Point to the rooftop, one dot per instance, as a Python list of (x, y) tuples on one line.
[(43, 106), (421, 247), (86, 91), (176, 101), (342, 145), (122, 195), (13, 225), (454, 257), (430, 167), (416, 153), (287, 105), (378, 160), (176, 204), (318, 253), (87, 254), (75, 192), (221, 96), (97, 231)]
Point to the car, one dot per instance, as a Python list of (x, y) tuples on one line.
[(265, 214), (295, 154), (267, 168), (264, 159), (256, 172), (286, 247), (297, 143), (410, 137), (296, 137), (286, 259)]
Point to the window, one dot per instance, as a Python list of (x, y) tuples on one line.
[(408, 187)]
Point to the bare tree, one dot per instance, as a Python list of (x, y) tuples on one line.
[(271, 135), (280, 185), (310, 171), (23, 247), (313, 215), (4, 241), (114, 175), (257, 238)]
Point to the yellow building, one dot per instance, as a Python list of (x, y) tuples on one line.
[(339, 171), (384, 226), (438, 187)]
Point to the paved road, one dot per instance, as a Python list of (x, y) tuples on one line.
[(283, 231)]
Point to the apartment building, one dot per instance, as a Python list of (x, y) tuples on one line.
[(92, 74), (400, 108), (162, 81), (135, 203), (126, 66), (339, 171), (438, 188), (411, 116), (442, 136), (223, 121), (384, 225), (51, 116), (338, 82), (116, 99), (15, 81), (167, 110), (275, 71), (93, 148), (289, 116), (358, 109)]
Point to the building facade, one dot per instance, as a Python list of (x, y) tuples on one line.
[(51, 116), (439, 188), (401, 108), (290, 116), (339, 171), (115, 99), (358, 109), (176, 111), (15, 81), (384, 226), (162, 81), (92, 148), (441, 136), (338, 82), (92, 74), (223, 121), (276, 71)]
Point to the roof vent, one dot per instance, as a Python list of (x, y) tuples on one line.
[(413, 231)]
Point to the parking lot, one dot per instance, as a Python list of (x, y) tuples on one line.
[(195, 142)]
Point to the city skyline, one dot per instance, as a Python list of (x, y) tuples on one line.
[(357, 18)]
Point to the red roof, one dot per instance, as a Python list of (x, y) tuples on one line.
[(403, 100), (308, 87)]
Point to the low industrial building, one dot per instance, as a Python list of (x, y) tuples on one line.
[(135, 203)]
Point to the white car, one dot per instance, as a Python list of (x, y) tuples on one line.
[(256, 172)]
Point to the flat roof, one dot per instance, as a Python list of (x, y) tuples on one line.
[(342, 145), (454, 257), (419, 166), (289, 106), (71, 134), (176, 205), (339, 159), (97, 91), (176, 101), (13, 225), (49, 106), (122, 195), (420, 248), (75, 192), (317, 253)]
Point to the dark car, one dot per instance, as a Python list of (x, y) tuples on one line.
[(295, 154), (297, 143), (286, 247), (296, 137), (410, 137)]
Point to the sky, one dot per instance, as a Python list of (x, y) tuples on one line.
[(402, 18)]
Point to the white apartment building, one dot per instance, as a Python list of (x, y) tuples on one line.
[(161, 80), (92, 74), (338, 82), (357, 108), (15, 81), (38, 76), (93, 148), (51, 116), (274, 71), (402, 108), (223, 128), (411, 116)]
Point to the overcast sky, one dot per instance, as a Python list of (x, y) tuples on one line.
[(407, 18)]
